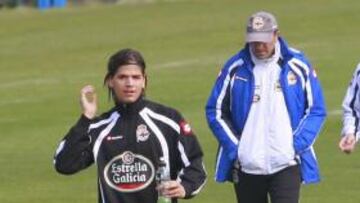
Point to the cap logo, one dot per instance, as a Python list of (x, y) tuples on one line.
[(258, 23)]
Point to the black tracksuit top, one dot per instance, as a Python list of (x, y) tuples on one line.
[(126, 144)]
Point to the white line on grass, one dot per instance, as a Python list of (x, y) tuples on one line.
[(76, 77), (19, 101), (176, 64), (26, 82), (335, 112)]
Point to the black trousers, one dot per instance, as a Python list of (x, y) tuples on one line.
[(281, 187)]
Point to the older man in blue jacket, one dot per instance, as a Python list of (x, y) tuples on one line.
[(266, 110)]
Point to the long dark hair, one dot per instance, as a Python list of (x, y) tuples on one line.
[(124, 57)]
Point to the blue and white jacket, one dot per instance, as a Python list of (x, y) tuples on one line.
[(351, 107), (231, 98)]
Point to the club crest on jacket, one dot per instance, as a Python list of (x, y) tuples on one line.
[(291, 77), (142, 133)]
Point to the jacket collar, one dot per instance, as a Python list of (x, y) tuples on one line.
[(130, 108), (284, 52)]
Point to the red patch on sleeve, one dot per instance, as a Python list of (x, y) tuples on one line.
[(185, 128)]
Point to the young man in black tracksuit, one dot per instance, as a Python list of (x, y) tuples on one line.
[(132, 140)]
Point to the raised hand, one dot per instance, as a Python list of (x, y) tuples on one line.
[(88, 101)]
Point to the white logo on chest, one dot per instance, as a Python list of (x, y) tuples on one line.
[(142, 133), (129, 172)]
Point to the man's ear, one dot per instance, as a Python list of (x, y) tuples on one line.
[(277, 33), (145, 82), (109, 83)]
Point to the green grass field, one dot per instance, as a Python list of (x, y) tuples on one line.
[(46, 57)]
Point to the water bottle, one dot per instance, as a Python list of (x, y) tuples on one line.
[(161, 178)]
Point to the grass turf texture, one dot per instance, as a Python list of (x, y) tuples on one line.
[(47, 56)]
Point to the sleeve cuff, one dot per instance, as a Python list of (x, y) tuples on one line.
[(83, 122), (348, 130), (187, 189), (357, 136)]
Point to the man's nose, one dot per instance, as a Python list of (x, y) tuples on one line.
[(129, 82)]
